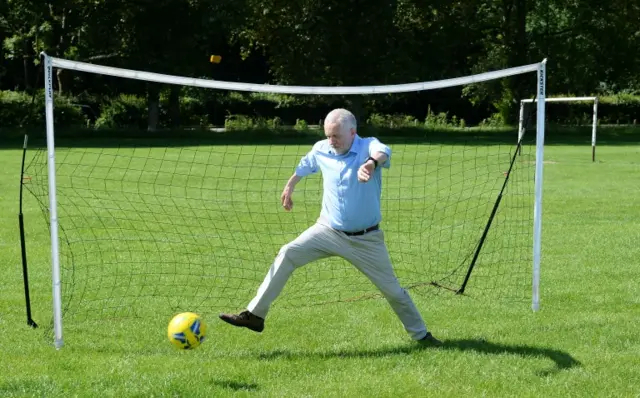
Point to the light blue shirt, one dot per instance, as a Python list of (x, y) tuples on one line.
[(347, 204)]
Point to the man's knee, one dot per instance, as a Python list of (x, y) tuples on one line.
[(292, 254)]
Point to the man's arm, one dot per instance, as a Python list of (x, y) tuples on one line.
[(377, 149), (287, 192), (380, 158), (374, 161), (293, 180), (308, 165)]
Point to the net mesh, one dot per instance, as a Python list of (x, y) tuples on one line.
[(149, 228), (154, 227)]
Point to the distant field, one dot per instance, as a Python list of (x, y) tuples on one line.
[(583, 341)]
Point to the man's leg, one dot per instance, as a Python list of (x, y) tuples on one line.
[(369, 254), (313, 244), (307, 247)]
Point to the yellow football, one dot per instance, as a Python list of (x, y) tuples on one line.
[(186, 330)]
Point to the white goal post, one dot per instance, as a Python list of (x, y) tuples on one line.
[(52, 62), (566, 99)]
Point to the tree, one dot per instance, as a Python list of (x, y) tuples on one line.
[(23, 22)]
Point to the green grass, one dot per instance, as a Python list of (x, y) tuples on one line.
[(193, 227), (583, 341)]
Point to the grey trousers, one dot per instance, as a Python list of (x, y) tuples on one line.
[(368, 253)]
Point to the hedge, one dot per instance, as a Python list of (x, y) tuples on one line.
[(19, 109), (205, 108)]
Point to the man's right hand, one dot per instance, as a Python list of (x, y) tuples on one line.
[(287, 193), (286, 198)]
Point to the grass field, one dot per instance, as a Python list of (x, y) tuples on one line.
[(583, 341)]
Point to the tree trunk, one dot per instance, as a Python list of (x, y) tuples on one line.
[(59, 78), (153, 106), (174, 105), (25, 65), (357, 108)]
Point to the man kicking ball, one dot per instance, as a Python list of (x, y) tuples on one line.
[(348, 225)]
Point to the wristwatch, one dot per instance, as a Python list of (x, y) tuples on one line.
[(375, 162)]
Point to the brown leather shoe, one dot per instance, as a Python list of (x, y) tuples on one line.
[(429, 340), (245, 319)]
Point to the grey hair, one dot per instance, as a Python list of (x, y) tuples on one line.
[(345, 119)]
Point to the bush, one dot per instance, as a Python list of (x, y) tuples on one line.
[(397, 120), (442, 120), (193, 112), (123, 111), (238, 122), (20, 109), (301, 125), (244, 122), (619, 109), (495, 120)]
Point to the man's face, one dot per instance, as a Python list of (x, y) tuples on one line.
[(339, 140)]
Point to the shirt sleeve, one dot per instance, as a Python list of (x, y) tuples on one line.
[(308, 164), (376, 146)]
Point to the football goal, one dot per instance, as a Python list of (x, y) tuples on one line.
[(594, 122), (155, 226)]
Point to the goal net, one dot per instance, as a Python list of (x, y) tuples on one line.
[(155, 227)]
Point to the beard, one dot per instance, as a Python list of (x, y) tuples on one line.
[(339, 150)]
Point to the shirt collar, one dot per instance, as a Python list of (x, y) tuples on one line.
[(355, 146)]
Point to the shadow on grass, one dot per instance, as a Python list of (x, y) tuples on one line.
[(562, 360), (235, 385)]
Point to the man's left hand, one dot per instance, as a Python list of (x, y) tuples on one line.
[(366, 171)]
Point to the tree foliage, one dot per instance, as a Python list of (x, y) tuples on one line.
[(591, 46)]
